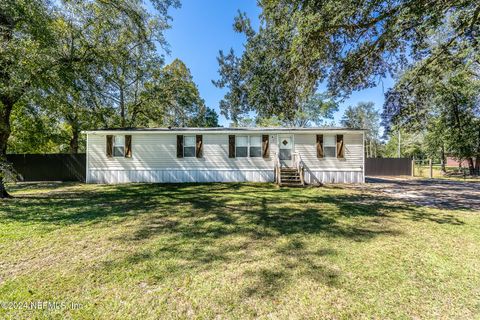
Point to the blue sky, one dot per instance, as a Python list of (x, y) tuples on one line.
[(201, 28)]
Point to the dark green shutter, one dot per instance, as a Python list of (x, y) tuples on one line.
[(199, 146), (265, 146), (179, 146), (340, 147), (109, 146), (128, 146), (319, 146), (231, 146)]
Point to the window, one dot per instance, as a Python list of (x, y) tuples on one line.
[(189, 146), (255, 146), (241, 147), (245, 146), (118, 146), (329, 147)]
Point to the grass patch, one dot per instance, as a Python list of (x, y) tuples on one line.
[(234, 251), (452, 173)]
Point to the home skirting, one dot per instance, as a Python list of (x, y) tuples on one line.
[(223, 175)]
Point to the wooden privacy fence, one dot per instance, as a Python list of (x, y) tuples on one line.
[(49, 167), (388, 167)]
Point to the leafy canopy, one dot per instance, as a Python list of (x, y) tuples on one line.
[(349, 45)]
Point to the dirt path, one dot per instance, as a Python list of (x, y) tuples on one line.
[(442, 194)]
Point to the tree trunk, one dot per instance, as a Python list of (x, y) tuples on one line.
[(3, 192), (5, 111), (477, 156), (471, 166), (443, 160), (7, 25), (74, 140), (72, 120), (477, 165), (122, 107)]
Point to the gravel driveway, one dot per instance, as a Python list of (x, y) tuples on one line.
[(442, 194)]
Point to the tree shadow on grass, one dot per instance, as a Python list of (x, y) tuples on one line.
[(63, 204), (294, 259), (262, 215), (199, 235), (214, 210), (198, 223)]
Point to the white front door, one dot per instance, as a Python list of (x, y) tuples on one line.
[(285, 149)]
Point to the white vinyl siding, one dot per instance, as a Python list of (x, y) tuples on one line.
[(305, 144), (155, 160), (158, 151)]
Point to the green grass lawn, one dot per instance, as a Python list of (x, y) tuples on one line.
[(453, 173), (234, 251)]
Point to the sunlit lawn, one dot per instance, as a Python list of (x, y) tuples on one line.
[(453, 173), (234, 251)]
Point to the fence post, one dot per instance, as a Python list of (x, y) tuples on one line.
[(413, 167), (431, 168)]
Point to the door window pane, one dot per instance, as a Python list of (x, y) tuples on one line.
[(285, 143), (285, 154)]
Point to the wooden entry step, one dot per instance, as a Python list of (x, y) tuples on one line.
[(290, 177)]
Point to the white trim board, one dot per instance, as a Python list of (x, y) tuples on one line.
[(220, 169), (233, 132)]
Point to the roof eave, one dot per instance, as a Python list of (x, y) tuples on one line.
[(217, 130)]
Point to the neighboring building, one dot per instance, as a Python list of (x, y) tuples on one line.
[(318, 155), (454, 162)]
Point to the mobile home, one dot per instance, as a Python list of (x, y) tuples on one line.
[(283, 155)]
